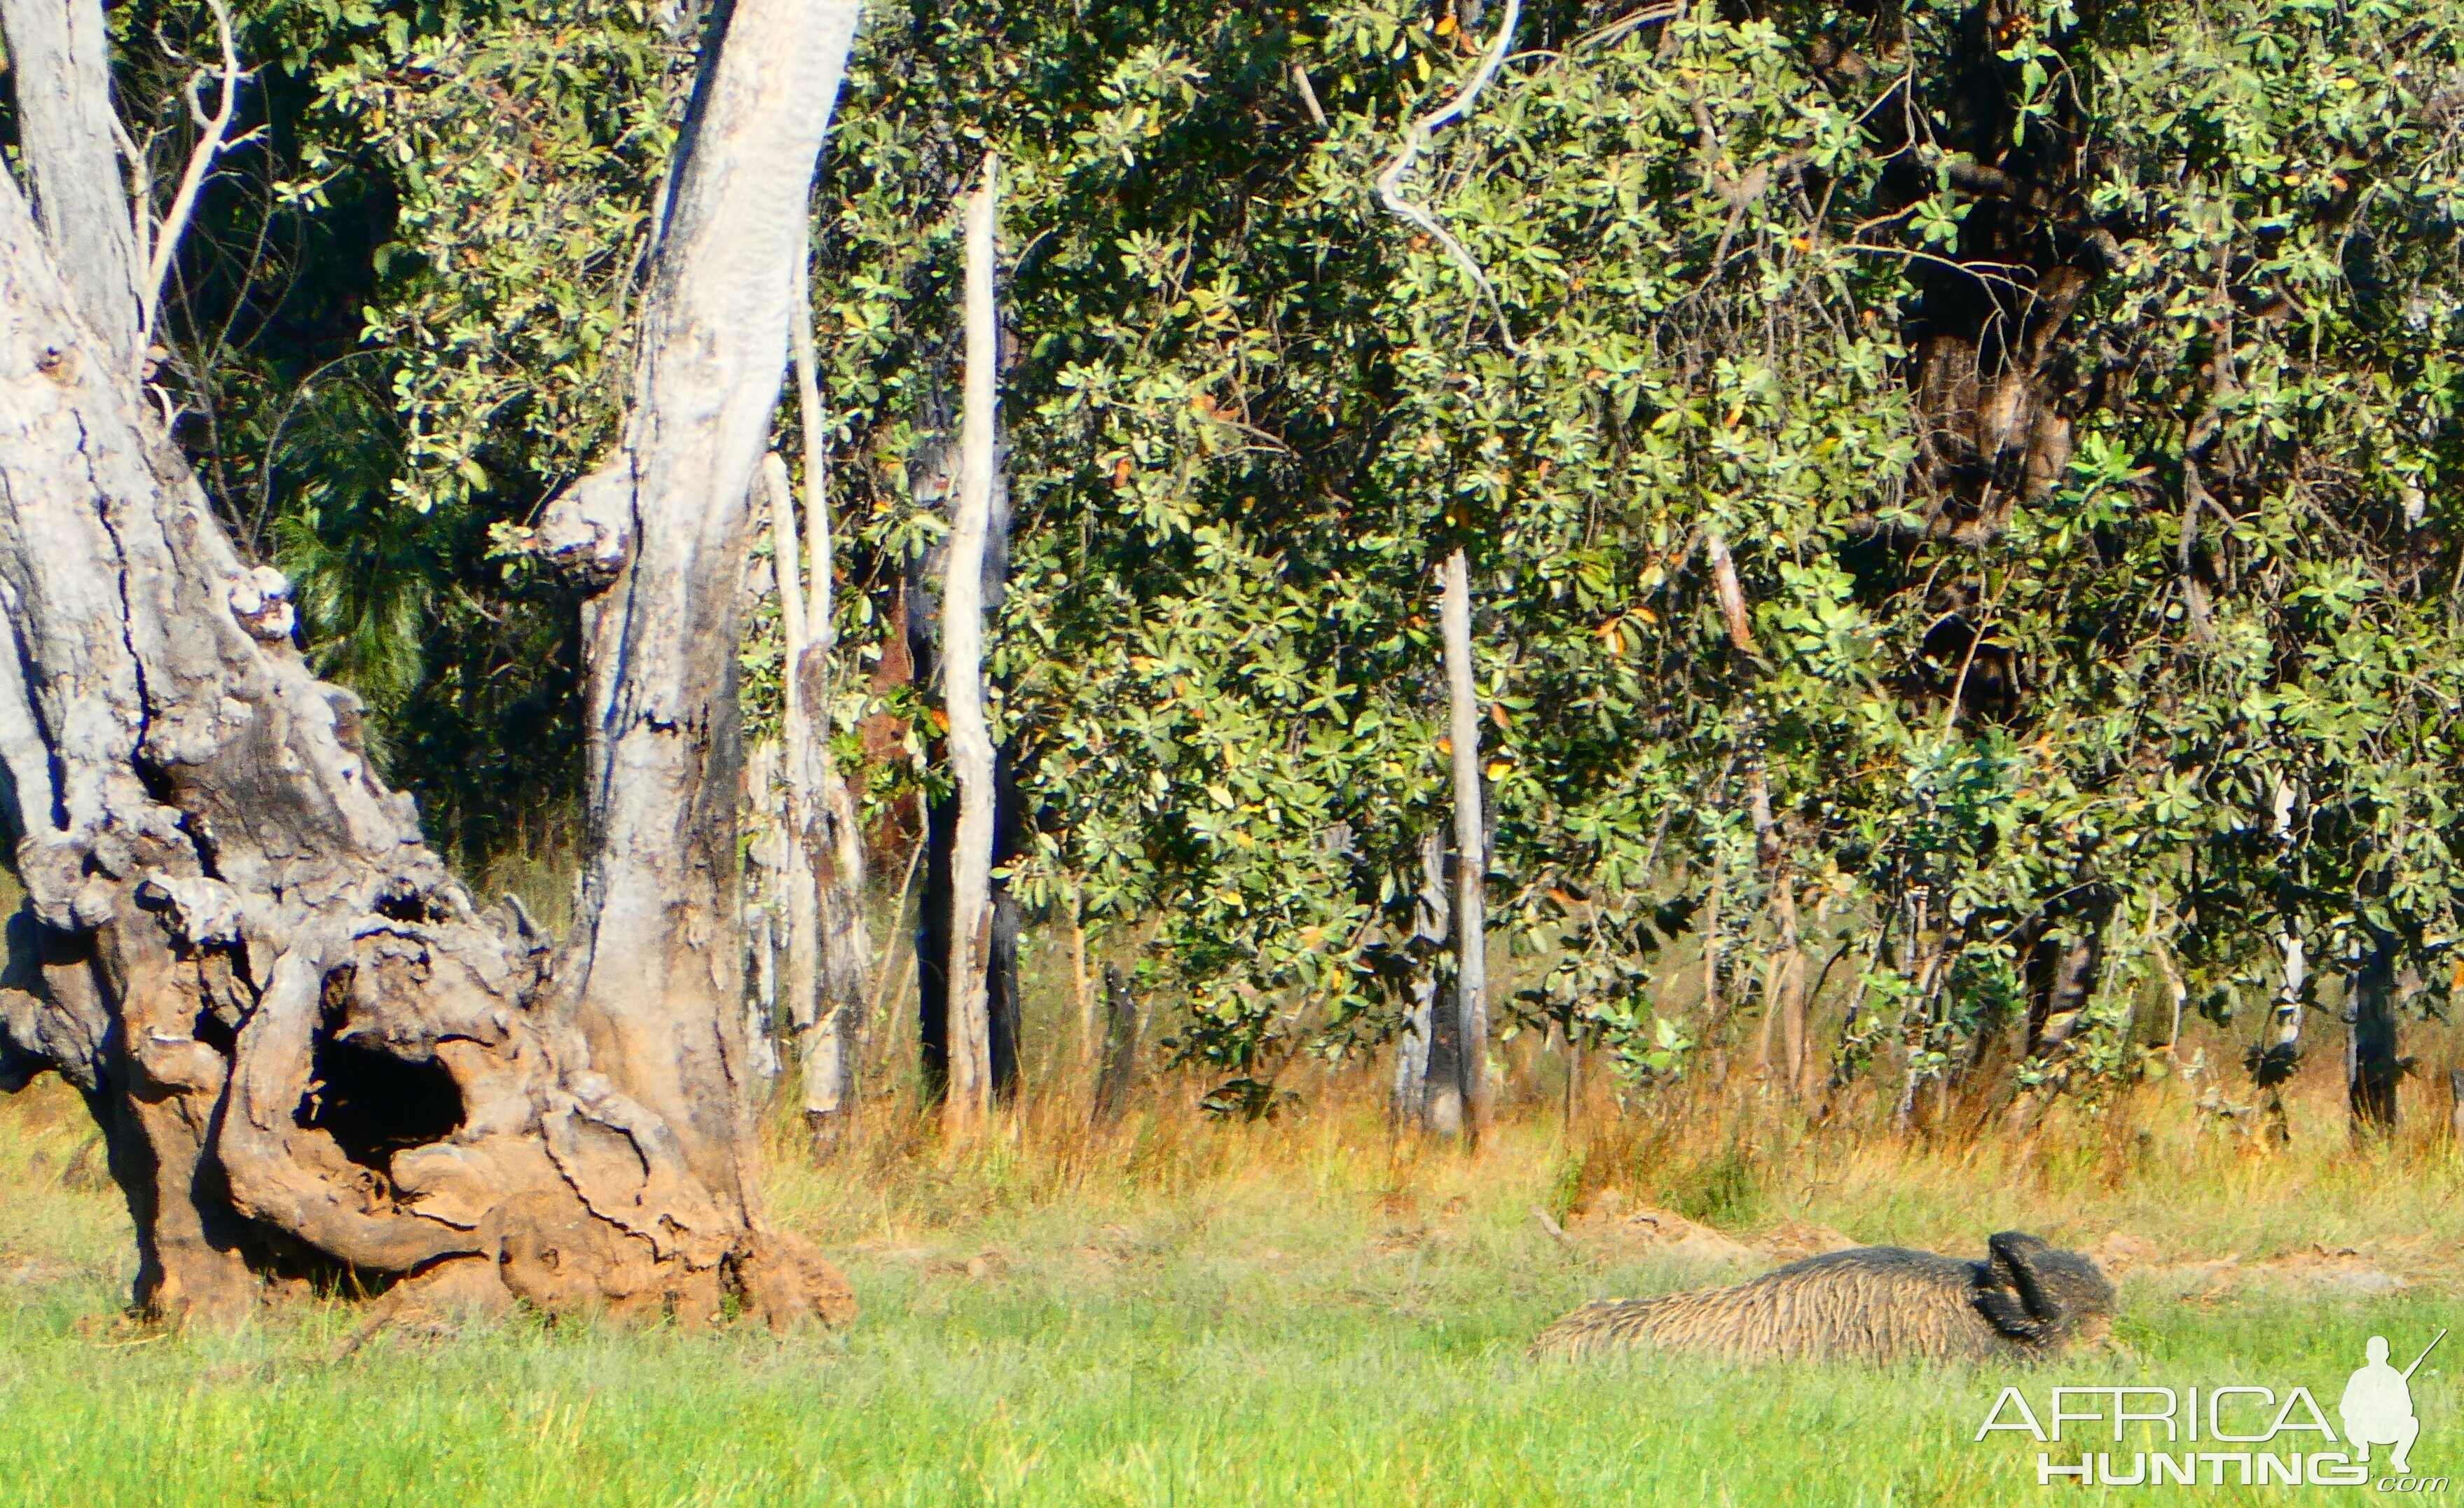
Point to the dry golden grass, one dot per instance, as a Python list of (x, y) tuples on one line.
[(2191, 1183)]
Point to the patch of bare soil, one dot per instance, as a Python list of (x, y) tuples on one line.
[(2342, 1268), (1118, 1243), (1795, 1240), (1607, 1220), (2124, 1251), (885, 1249), (984, 1267), (987, 1265), (25, 1272), (2323, 1268)]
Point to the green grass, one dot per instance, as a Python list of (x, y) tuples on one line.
[(1310, 1327), (1191, 1383)]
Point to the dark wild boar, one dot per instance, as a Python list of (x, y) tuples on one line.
[(1870, 1303)]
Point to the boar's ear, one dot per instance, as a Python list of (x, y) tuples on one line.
[(2020, 1300)]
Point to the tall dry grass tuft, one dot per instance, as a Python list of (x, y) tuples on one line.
[(2168, 1159)]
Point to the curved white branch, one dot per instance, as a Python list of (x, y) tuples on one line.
[(1416, 139), (201, 161)]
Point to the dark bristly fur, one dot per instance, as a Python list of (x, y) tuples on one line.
[(1872, 1303)]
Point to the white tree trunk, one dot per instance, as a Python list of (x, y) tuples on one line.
[(651, 970), (1471, 847), (799, 886), (2283, 1050), (832, 835), (963, 688)]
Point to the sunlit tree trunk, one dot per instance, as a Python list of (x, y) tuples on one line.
[(799, 886), (2279, 1052), (1471, 850), (59, 79), (969, 1101), (1120, 1055), (832, 832)]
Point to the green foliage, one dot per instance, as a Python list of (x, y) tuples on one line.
[(2194, 690), (524, 145), (392, 327)]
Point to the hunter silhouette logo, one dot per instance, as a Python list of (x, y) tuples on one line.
[(2378, 1404), (2205, 1435)]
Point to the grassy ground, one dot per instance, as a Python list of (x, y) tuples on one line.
[(1303, 1313)]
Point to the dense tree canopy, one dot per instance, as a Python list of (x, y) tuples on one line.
[(2061, 396)]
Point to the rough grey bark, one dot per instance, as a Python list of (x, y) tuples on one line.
[(1428, 1081), (1120, 1046), (822, 865), (761, 1005), (2061, 980), (60, 77), (937, 486), (1471, 850), (969, 1102), (307, 1048)]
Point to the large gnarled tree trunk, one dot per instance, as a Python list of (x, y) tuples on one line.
[(308, 1049)]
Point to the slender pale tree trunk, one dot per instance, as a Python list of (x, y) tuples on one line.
[(936, 485), (963, 688), (823, 867), (2281, 1053), (229, 908), (761, 1007), (1081, 985), (832, 833), (1471, 850), (799, 885), (766, 799), (1784, 1001), (1470, 1016)]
